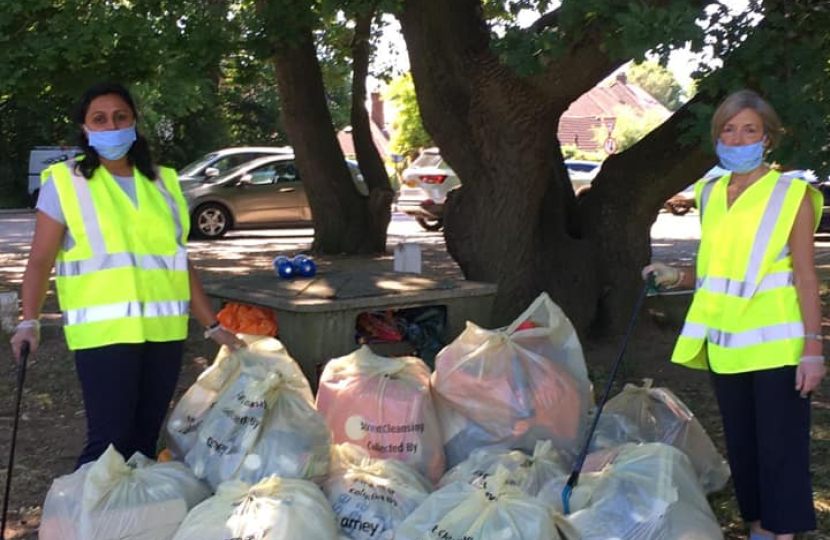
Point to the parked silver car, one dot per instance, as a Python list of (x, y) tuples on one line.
[(262, 193), (221, 161)]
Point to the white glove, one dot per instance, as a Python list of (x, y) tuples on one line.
[(811, 370), (28, 330), (665, 276)]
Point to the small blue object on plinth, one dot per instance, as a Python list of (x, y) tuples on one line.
[(307, 268)]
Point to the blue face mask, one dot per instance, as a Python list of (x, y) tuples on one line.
[(112, 144), (741, 159)]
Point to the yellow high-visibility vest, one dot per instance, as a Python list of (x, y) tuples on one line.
[(125, 280), (745, 314)]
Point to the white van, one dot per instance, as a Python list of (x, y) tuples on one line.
[(40, 157)]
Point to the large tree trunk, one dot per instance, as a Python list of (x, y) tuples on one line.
[(370, 162), (624, 199), (342, 223), (515, 221)]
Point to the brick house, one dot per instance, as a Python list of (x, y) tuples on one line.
[(596, 109), (377, 124)]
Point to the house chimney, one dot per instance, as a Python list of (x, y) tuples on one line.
[(376, 113), (622, 78)]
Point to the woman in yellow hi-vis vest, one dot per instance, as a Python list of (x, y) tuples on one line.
[(755, 319), (114, 226)]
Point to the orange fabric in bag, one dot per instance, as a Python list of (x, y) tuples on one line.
[(245, 319)]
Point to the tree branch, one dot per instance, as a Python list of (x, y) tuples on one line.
[(546, 21)]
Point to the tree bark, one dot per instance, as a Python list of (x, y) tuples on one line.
[(515, 221), (341, 221), (370, 162)]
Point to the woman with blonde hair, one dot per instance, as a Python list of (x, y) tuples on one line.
[(755, 319)]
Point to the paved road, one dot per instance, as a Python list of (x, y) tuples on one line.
[(673, 238)]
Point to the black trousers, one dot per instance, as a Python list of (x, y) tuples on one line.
[(127, 390), (767, 428)]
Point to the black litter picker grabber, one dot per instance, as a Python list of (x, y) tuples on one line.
[(21, 377), (649, 286)]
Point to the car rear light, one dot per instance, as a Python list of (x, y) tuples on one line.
[(433, 178)]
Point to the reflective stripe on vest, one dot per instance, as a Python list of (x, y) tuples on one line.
[(744, 339), (109, 261), (744, 289), (118, 284), (125, 310), (174, 210), (704, 195)]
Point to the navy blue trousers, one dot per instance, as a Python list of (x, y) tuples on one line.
[(767, 428), (127, 390)]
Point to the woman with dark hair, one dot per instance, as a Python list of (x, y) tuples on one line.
[(755, 320), (114, 226)]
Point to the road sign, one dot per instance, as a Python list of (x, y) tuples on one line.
[(610, 145)]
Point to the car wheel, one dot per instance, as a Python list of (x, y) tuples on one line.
[(210, 221), (581, 191), (430, 224), (33, 198)]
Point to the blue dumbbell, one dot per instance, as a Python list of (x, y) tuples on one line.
[(298, 259), (283, 267), (306, 268)]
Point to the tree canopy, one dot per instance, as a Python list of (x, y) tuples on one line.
[(408, 131), (657, 81)]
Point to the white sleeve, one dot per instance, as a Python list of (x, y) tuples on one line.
[(49, 202)]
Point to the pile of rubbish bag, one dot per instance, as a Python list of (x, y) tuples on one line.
[(480, 448)]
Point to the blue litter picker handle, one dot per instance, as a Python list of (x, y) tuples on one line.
[(573, 479)]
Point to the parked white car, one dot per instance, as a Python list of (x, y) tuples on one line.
[(424, 189), (429, 178)]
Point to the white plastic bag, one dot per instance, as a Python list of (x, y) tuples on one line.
[(262, 427), (186, 418), (512, 387), (460, 511), (385, 406), (529, 473), (637, 492), (661, 416), (371, 497), (111, 499), (273, 509)]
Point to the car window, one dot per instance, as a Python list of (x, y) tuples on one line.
[(229, 162), (286, 172), (196, 166), (263, 175)]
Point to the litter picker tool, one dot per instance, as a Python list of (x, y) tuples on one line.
[(21, 377), (648, 287)]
